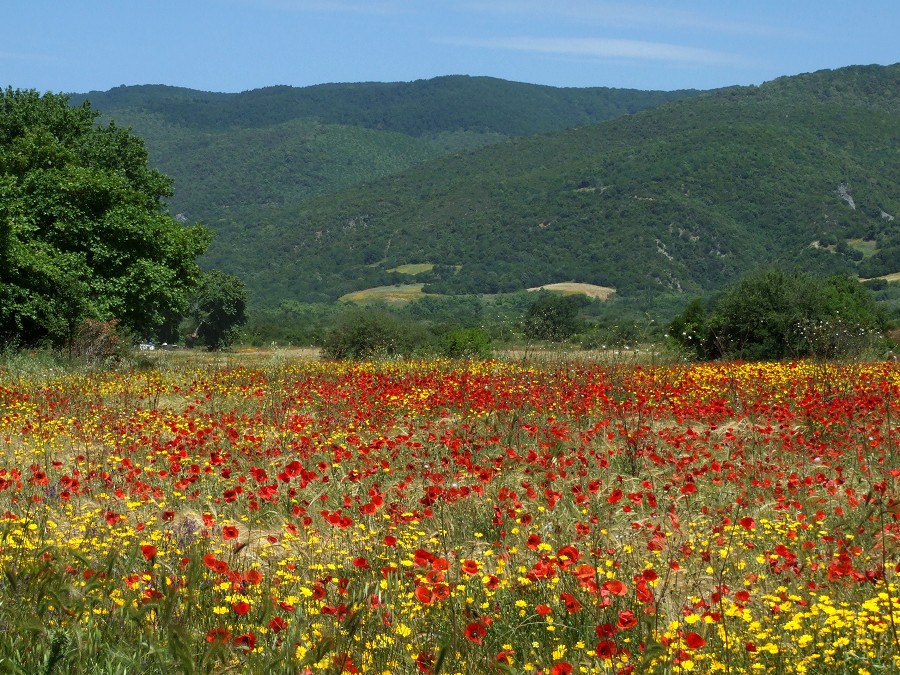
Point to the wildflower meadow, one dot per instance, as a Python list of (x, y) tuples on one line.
[(302, 516)]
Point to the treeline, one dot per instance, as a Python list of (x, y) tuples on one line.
[(774, 314), (419, 108)]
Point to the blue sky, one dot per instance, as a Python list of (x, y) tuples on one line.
[(235, 45)]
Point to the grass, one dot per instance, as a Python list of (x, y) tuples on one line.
[(398, 294), (572, 288), (868, 247), (413, 268)]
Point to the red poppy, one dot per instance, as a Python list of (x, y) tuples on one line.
[(240, 608), (424, 594), (561, 668), (247, 641), (475, 632), (627, 619), (543, 610), (615, 587), (230, 532), (469, 567), (148, 551), (253, 577), (605, 649), (571, 602), (277, 624), (694, 641), (643, 593), (441, 591), (605, 630), (425, 662)]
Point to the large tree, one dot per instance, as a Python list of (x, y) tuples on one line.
[(218, 309), (84, 233)]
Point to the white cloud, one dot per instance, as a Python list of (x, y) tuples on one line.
[(604, 48)]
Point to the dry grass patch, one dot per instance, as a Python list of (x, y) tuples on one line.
[(573, 288), (399, 294), (413, 268)]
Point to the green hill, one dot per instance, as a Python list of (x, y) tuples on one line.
[(279, 145), (683, 197), (490, 196)]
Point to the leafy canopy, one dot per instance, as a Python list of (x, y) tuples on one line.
[(552, 317), (218, 309), (83, 229), (775, 315)]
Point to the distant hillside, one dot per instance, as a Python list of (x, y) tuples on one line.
[(684, 197), (279, 145)]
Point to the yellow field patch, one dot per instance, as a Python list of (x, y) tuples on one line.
[(413, 268), (572, 288), (400, 293)]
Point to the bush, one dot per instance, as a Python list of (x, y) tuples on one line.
[(97, 341), (773, 315), (372, 333), (465, 343), (553, 317)]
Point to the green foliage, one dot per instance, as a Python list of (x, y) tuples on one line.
[(682, 198), (83, 228), (277, 145), (368, 333), (317, 192), (218, 309), (465, 343), (552, 317), (774, 315)]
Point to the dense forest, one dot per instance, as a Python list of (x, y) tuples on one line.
[(280, 145), (495, 187), (681, 198)]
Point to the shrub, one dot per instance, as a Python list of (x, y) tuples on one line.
[(97, 341), (465, 343), (774, 315), (372, 333), (552, 317)]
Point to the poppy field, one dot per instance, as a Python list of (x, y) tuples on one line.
[(453, 517)]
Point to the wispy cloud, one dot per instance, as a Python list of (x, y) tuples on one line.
[(32, 57), (632, 15), (338, 6), (603, 48)]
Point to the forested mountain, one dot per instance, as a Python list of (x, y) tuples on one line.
[(278, 145), (683, 197)]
